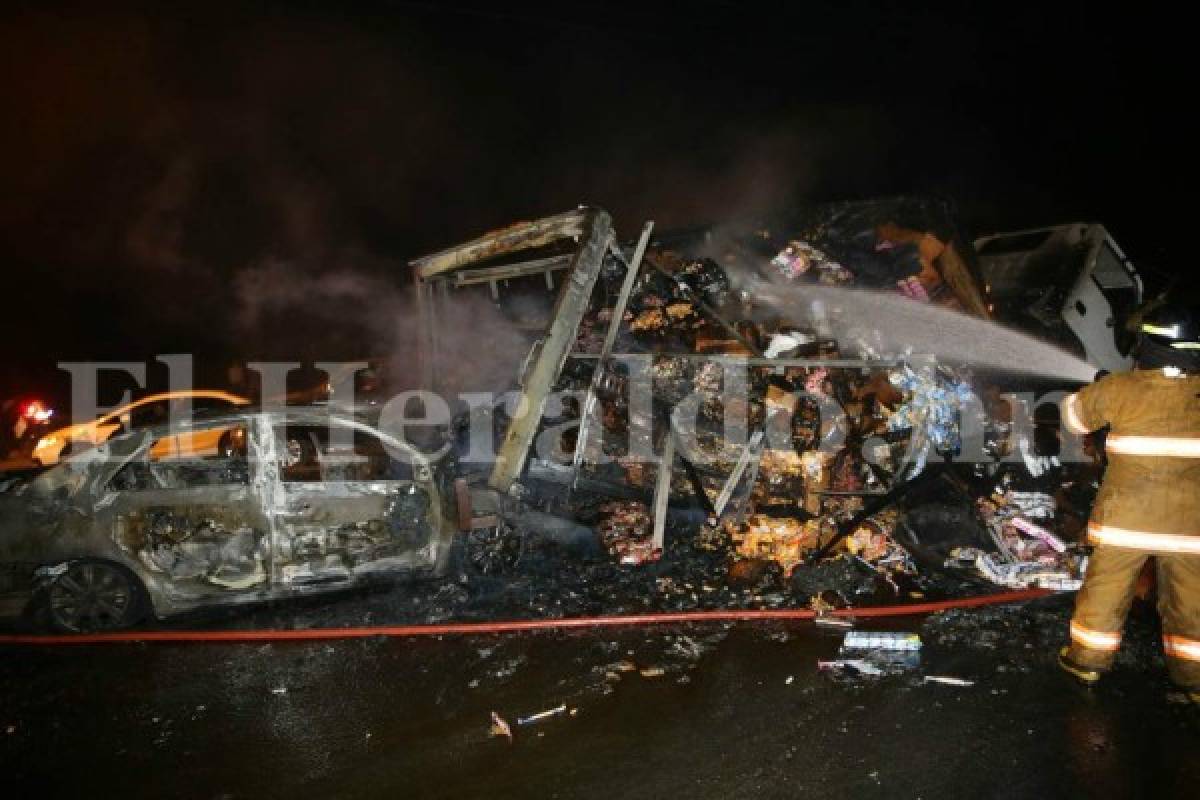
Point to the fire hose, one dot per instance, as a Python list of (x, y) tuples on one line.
[(518, 626)]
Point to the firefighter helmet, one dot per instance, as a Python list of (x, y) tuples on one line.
[(1170, 337)]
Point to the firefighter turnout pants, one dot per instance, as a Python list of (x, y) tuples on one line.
[(1104, 600)]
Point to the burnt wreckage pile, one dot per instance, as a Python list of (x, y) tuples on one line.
[(663, 398)]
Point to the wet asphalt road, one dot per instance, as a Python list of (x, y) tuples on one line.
[(738, 711)]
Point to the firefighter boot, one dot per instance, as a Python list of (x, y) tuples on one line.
[(1085, 676)]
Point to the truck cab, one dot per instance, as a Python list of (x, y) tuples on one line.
[(1069, 284)]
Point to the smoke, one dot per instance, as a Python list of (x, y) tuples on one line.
[(289, 311), (257, 190), (321, 305)]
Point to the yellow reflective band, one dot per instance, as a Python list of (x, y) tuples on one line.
[(1071, 415), (1160, 330), (1141, 540), (1181, 647), (1186, 345), (1095, 640), (1188, 447)]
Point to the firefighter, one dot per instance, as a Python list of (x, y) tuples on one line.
[(1149, 503)]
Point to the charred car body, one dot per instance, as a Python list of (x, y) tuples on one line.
[(307, 502)]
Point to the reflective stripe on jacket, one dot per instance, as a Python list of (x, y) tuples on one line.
[(1150, 499)]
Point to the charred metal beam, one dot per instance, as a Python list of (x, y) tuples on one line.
[(427, 322), (507, 272), (514, 238), (662, 491), (610, 337), (753, 450), (568, 313)]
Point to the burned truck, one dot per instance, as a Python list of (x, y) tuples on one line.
[(1071, 284), (672, 382)]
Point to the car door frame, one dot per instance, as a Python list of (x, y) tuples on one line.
[(276, 494), (158, 584)]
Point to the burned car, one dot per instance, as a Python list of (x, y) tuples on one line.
[(304, 502)]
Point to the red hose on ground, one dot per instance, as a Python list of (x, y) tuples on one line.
[(516, 626)]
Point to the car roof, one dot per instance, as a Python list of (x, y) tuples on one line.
[(128, 445), (207, 394), (304, 415)]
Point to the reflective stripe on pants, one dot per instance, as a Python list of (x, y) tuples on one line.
[(1181, 647), (1179, 607), (1101, 606), (1103, 641)]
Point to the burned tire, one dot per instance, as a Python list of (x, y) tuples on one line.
[(92, 596), (931, 530), (491, 551)]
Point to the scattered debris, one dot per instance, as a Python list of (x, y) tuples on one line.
[(859, 665), (500, 727), (625, 530), (935, 400), (877, 653), (947, 680), (1027, 552), (541, 715), (872, 640)]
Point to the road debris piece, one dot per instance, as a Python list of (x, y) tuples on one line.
[(873, 640), (541, 715), (500, 727), (860, 665), (883, 652), (947, 680)]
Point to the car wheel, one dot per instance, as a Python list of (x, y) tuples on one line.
[(92, 596), (493, 551)]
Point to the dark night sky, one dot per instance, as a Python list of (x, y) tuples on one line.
[(161, 164)]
